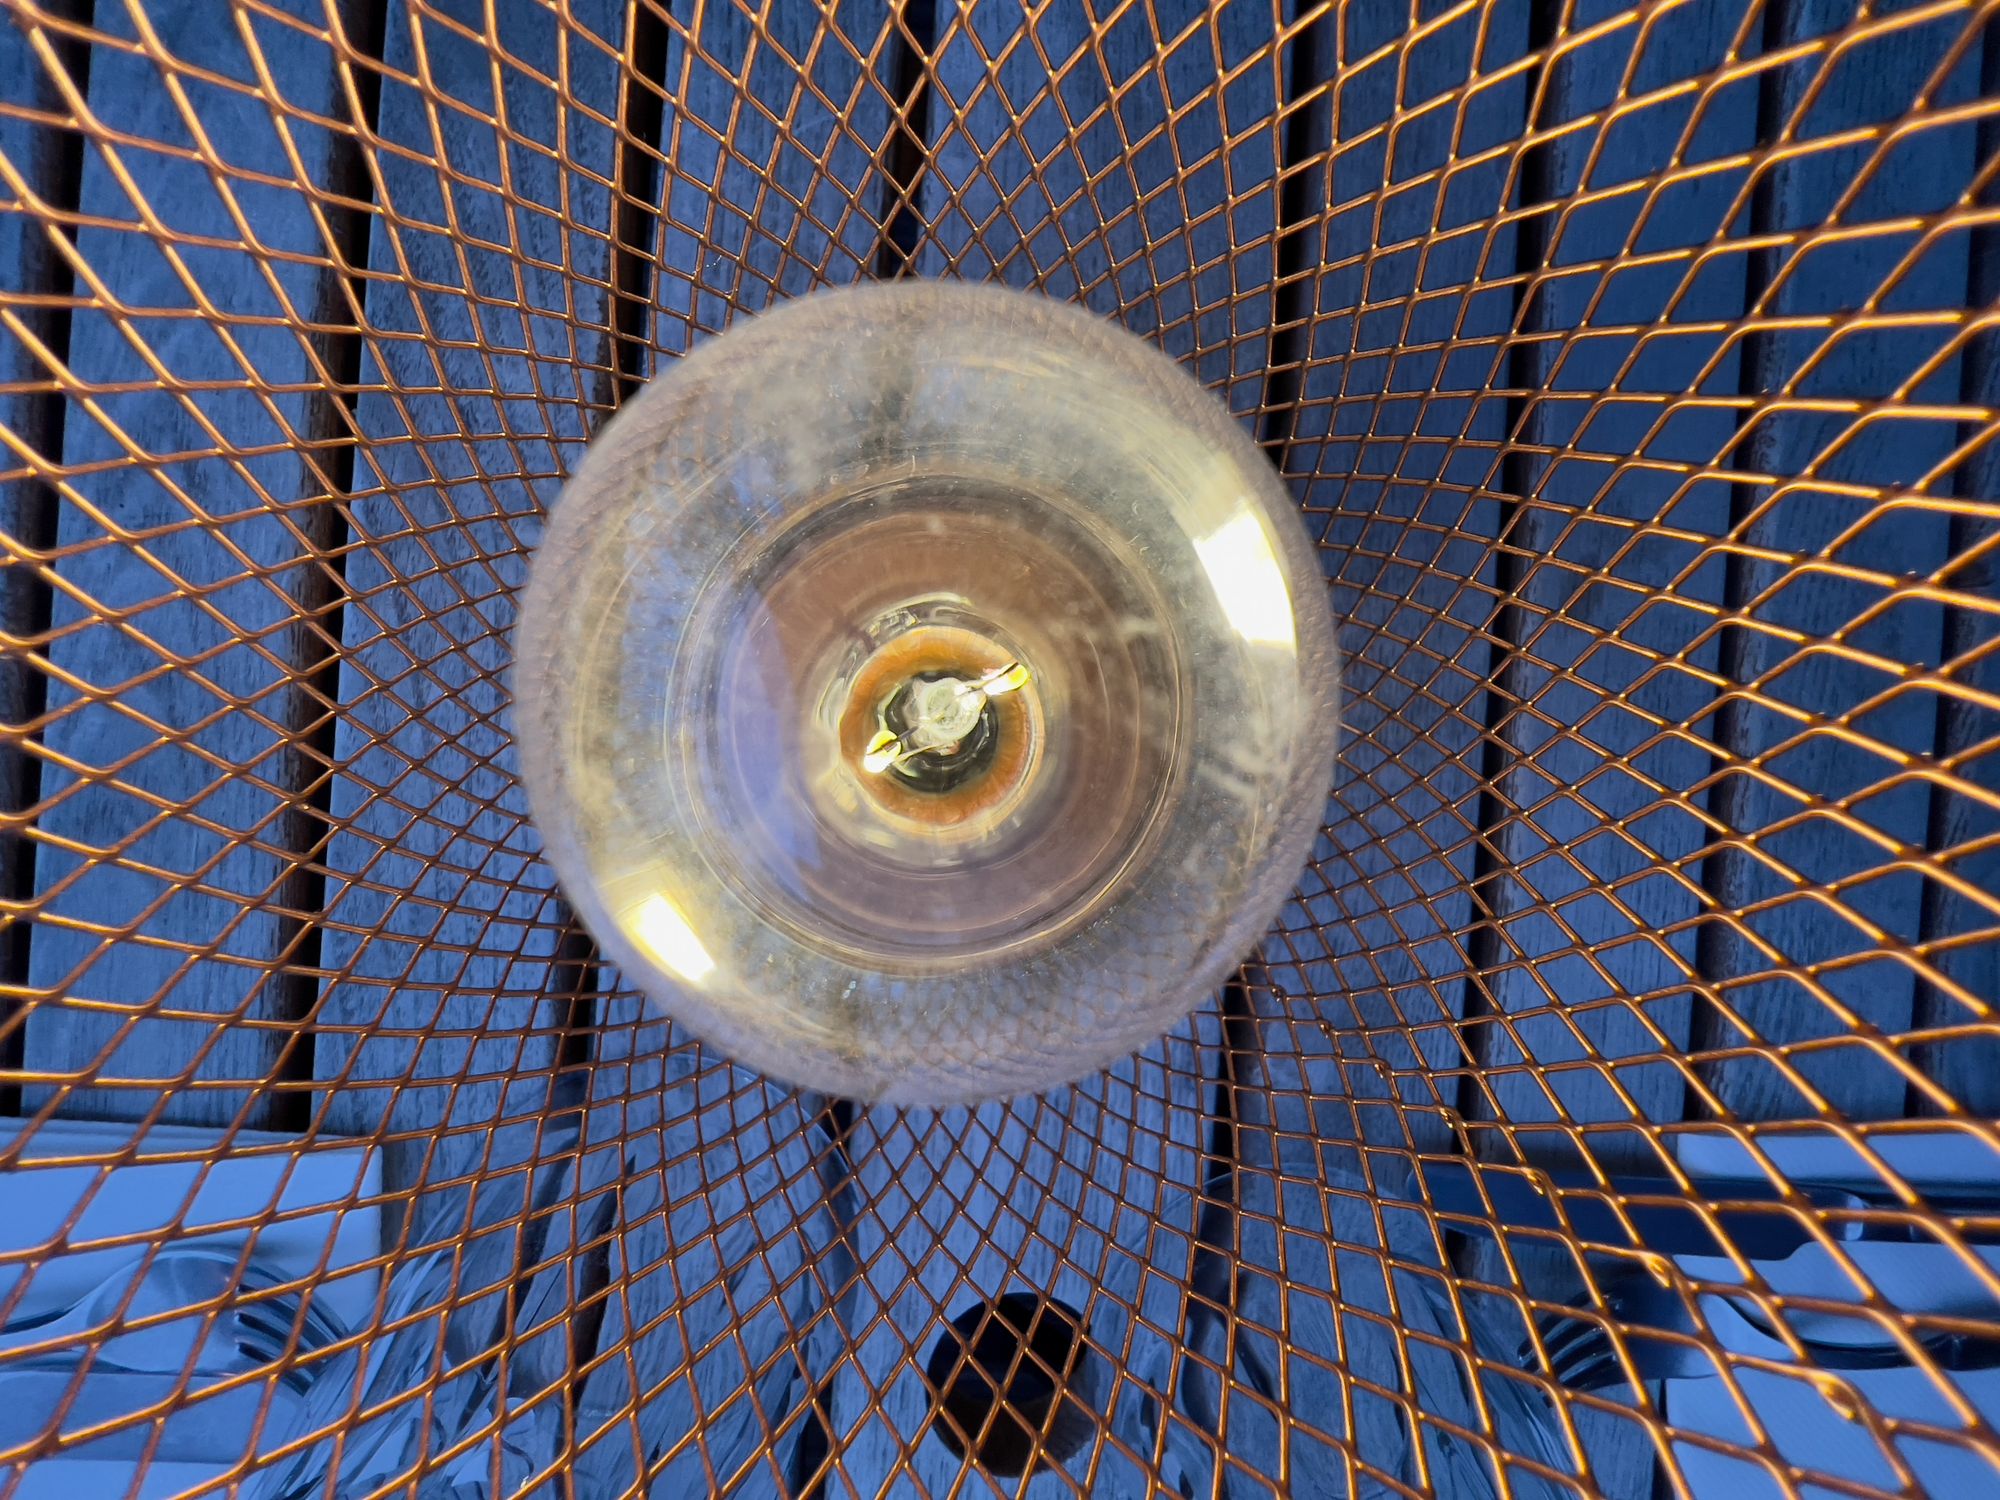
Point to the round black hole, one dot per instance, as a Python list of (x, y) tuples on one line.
[(1005, 1373)]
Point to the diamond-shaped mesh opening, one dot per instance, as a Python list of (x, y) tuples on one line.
[(1606, 1114)]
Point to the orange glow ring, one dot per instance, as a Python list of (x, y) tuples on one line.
[(987, 796)]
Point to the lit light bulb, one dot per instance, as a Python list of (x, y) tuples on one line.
[(926, 692)]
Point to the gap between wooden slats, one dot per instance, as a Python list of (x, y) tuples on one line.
[(49, 163)]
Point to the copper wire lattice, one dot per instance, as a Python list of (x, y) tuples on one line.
[(1635, 368)]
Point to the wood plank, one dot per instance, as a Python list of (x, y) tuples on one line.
[(43, 164), (713, 1338), (1607, 681), (775, 128), (452, 969), (1393, 451), (1608, 649), (1263, 1327), (1854, 311), (488, 363), (1086, 152), (1393, 448), (1966, 1066), (1119, 154), (702, 1379), (180, 638)]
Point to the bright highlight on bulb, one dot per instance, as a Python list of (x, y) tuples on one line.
[(668, 937), (1249, 584)]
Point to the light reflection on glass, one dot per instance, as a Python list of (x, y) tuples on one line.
[(659, 925), (1249, 583)]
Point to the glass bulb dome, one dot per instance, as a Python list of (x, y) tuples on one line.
[(926, 692)]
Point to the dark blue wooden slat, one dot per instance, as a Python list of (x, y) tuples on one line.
[(772, 126), (715, 1279), (487, 361), (1262, 1373), (1967, 1067), (184, 852), (1124, 156), (1394, 450), (1607, 644), (1820, 714), (775, 127), (1053, 165), (1608, 674), (488, 358)]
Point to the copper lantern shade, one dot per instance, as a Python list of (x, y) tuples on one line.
[(1635, 367)]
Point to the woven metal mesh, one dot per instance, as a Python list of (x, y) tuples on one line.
[(1635, 368)]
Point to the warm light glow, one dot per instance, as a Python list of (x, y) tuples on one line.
[(1004, 681), (1249, 585), (666, 935), (881, 753)]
